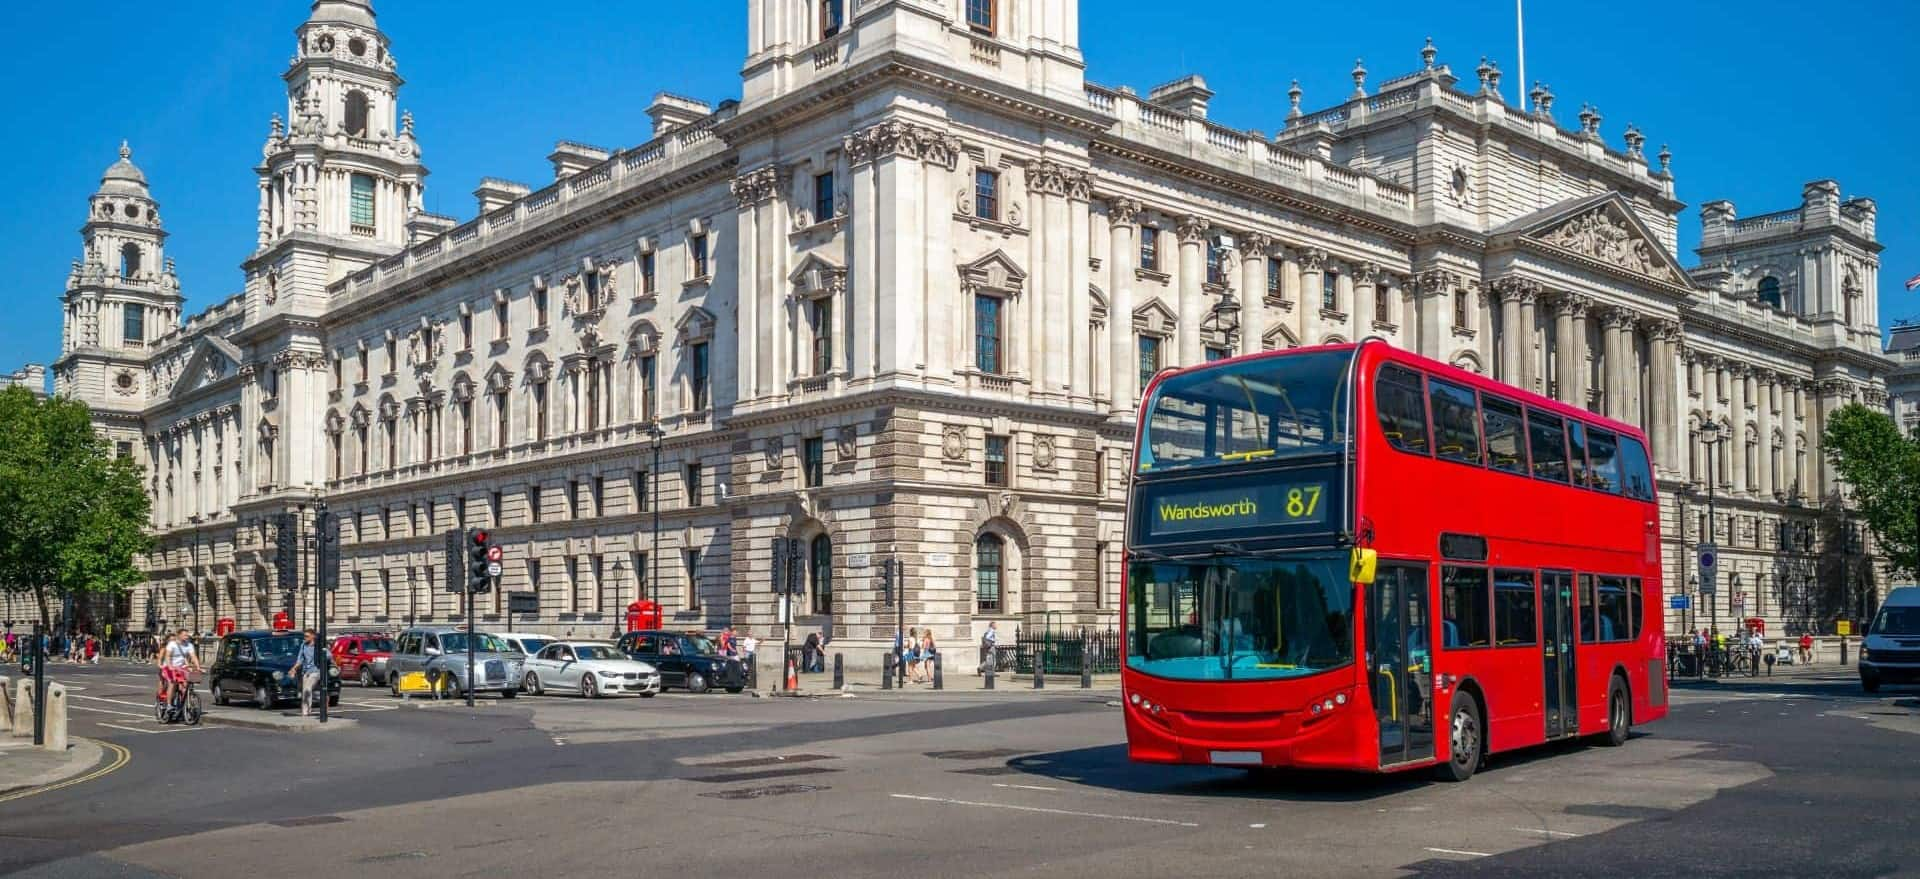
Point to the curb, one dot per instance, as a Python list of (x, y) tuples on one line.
[(278, 723), (83, 756)]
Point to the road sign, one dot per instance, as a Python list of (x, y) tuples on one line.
[(1679, 602), (1709, 555), (494, 554), (523, 602), (493, 569)]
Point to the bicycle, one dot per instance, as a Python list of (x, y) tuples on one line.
[(182, 707)]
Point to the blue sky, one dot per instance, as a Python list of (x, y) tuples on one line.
[(1755, 98)]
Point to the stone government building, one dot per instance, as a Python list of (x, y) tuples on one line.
[(900, 298)]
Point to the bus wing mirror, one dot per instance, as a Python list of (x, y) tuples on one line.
[(1362, 568)]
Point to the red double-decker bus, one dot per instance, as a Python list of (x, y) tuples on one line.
[(1353, 557)]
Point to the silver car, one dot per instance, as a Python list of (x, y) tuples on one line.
[(441, 652), (590, 668)]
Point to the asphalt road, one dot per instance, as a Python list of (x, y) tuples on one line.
[(1801, 777)]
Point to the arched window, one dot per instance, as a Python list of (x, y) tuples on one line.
[(1769, 294), (988, 565), (129, 260), (356, 121), (820, 574)]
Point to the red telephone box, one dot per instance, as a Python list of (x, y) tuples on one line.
[(642, 615), (1756, 624), (224, 627), (281, 621)]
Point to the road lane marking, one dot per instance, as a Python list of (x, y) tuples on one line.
[(146, 705), (1042, 811), (1025, 786), (1455, 851), (108, 711), (155, 732), (1545, 832), (121, 756)]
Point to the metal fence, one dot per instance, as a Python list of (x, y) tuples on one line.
[(1063, 651)]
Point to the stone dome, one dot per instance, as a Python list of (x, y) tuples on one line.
[(124, 177), (353, 12)]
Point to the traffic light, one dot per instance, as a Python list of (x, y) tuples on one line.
[(886, 581), (482, 555), (286, 551), (327, 534)]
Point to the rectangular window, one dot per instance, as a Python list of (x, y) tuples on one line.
[(533, 575), (1613, 612), (1382, 305), (813, 460), (693, 485), (820, 312), (647, 410), (1602, 452), (1636, 475), (501, 324), (1149, 360), (987, 334), (460, 513), (698, 382), (833, 16), (364, 360), (576, 501), (533, 504), (1217, 353), (339, 370), (642, 491), (1456, 428), (1329, 292), (539, 307), (599, 496), (646, 273), (133, 322), (1460, 309), (996, 460), (1547, 443), (693, 579), (1214, 275), (1273, 279), (697, 247), (986, 194), (466, 426), (466, 331), (1506, 450), (980, 15), (823, 197), (503, 417), (1513, 608), (1401, 405), (360, 205), (393, 355), (1150, 248), (1577, 452), (539, 413), (1464, 607), (641, 582)]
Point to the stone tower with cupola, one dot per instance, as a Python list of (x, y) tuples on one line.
[(121, 295)]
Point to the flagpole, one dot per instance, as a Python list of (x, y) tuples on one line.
[(1520, 30)]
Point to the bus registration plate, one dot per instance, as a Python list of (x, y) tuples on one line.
[(1234, 758)]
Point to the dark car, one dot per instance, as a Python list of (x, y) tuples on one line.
[(256, 666), (363, 658), (689, 661)]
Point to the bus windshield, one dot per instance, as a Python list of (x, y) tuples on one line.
[(1234, 413), (1239, 618)]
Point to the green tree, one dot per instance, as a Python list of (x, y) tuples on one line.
[(1883, 469), (73, 516)]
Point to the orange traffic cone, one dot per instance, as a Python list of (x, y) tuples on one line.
[(793, 676)]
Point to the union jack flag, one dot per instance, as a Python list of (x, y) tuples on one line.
[(1913, 282)]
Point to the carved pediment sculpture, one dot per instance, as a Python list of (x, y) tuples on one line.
[(1604, 235)]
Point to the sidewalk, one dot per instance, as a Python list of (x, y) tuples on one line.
[(24, 767), (867, 684), (276, 721)]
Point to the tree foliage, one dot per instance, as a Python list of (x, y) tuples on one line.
[(1883, 469), (73, 516)]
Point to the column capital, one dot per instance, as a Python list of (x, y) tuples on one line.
[(759, 185), (1661, 329), (1438, 281), (1569, 305), (1313, 259), (1513, 287), (1052, 178), (1190, 229), (1739, 369), (1254, 245), (1618, 318), (1123, 211)]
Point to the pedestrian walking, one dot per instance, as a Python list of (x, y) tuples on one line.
[(809, 651), (988, 640), (728, 647), (1806, 647), (308, 672), (929, 654)]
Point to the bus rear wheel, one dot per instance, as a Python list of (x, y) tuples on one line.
[(1463, 740)]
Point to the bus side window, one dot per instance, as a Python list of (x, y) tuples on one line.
[(1636, 476), (1577, 452), (1506, 448), (1402, 409), (1586, 609), (1456, 421), (1604, 475), (1547, 439), (1465, 606)]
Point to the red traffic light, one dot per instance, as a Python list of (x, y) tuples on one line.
[(479, 538)]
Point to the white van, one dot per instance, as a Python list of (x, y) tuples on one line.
[(1891, 652)]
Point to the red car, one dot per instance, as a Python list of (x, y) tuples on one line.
[(363, 658)]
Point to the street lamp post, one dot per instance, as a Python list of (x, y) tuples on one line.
[(653, 490), (1709, 434), (1225, 315)]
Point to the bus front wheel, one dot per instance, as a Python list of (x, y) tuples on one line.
[(1619, 716), (1463, 740)]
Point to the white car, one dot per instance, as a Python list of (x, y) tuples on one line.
[(522, 642), (590, 668)]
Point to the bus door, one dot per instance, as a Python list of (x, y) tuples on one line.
[(1556, 639), (1400, 662)]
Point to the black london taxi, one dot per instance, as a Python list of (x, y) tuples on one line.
[(257, 666), (687, 660)]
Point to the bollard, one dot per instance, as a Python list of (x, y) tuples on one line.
[(55, 724), (1086, 670), (1843, 650), (886, 671), (939, 683), (6, 704), (839, 672), (989, 675), (23, 707), (1040, 670)]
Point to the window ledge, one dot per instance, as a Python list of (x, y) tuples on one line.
[(701, 281), (1274, 301), (1465, 332), (978, 222), (830, 224), (1147, 274), (1330, 314), (536, 334), (1385, 327), (646, 295)]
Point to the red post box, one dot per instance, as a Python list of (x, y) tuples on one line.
[(642, 615), (281, 621)]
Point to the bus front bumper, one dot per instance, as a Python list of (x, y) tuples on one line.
[(1295, 737)]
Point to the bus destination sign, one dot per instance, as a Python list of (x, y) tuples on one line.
[(1238, 508)]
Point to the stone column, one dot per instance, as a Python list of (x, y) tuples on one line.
[(1582, 355), (1507, 291), (1662, 336), (1789, 433), (1831, 396), (898, 192), (862, 261), (1193, 267), (1052, 334), (1529, 337), (1253, 289), (1763, 387), (1613, 379), (1566, 354), (1123, 217), (1079, 283), (1737, 445)]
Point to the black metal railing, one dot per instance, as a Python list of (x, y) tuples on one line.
[(1061, 652)]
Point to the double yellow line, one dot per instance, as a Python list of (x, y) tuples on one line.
[(120, 758)]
